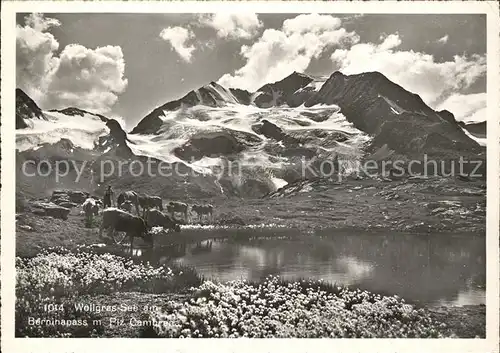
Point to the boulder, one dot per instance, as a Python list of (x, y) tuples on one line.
[(50, 209), (68, 204), (59, 192), (58, 199), (77, 197)]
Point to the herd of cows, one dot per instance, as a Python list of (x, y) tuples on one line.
[(119, 217)]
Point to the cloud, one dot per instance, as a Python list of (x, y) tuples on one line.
[(40, 23), (86, 78), (311, 23), (232, 26), (415, 71), (466, 107), (390, 42), (35, 55), (443, 40), (350, 19), (178, 37), (277, 53)]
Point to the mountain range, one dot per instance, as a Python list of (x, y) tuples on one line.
[(269, 132)]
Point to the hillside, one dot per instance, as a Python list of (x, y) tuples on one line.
[(91, 151), (397, 119), (211, 95), (397, 122), (477, 129), (26, 109), (233, 142)]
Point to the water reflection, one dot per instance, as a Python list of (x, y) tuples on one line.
[(440, 269)]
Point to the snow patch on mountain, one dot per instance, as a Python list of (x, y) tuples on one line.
[(480, 140), (222, 94), (315, 85), (198, 95), (180, 125), (396, 109), (82, 131)]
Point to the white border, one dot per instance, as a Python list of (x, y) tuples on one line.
[(20, 345)]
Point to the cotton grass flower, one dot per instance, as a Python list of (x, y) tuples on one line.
[(275, 309)]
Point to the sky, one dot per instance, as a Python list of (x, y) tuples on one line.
[(125, 65)]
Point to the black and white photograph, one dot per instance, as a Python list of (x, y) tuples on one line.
[(250, 175)]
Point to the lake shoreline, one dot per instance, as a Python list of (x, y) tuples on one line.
[(431, 206), (452, 316), (34, 233)]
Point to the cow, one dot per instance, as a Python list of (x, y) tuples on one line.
[(90, 209), (201, 210), (180, 207), (147, 202), (116, 220), (131, 196), (126, 206), (98, 202), (157, 218)]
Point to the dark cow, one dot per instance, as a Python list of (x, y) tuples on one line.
[(202, 210), (90, 209), (157, 218), (116, 220), (180, 207), (127, 206), (131, 196), (147, 202)]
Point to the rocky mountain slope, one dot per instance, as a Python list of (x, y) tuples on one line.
[(397, 119), (401, 125), (476, 129), (293, 91), (90, 151), (211, 95), (260, 140), (26, 109)]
